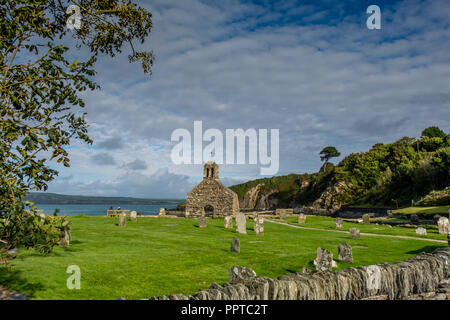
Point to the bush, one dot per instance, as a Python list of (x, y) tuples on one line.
[(20, 227), (431, 144)]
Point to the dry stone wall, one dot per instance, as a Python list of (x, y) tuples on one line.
[(420, 274)]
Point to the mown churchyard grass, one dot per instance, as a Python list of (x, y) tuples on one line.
[(156, 256), (321, 222)]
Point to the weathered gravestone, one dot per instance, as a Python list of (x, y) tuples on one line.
[(235, 245), (258, 225), (123, 220), (238, 274), (414, 218), (64, 238), (366, 218), (443, 225), (345, 253), (389, 213), (421, 231), (301, 218), (228, 222), (338, 223), (324, 260), (436, 218), (64, 232), (283, 213), (354, 233), (133, 215), (162, 212), (241, 223), (202, 222)]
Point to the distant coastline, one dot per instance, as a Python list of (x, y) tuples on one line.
[(54, 198)]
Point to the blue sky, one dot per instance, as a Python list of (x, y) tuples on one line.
[(309, 68)]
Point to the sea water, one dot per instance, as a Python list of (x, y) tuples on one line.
[(100, 209)]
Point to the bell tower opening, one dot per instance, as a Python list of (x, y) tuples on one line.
[(211, 170)]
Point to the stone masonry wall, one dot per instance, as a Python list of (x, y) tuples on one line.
[(416, 275), (213, 193)]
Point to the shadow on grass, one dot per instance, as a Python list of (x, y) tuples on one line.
[(427, 249), (14, 280), (69, 249)]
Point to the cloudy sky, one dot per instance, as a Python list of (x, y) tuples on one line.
[(311, 69)]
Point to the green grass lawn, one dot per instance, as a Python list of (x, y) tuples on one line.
[(425, 211), (328, 223), (156, 256)]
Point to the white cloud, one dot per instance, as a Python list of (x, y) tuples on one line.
[(232, 65)]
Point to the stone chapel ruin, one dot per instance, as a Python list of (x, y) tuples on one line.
[(210, 197)]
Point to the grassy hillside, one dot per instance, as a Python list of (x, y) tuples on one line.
[(156, 256), (428, 212), (286, 186), (399, 172)]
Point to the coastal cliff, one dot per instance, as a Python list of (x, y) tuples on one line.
[(386, 175)]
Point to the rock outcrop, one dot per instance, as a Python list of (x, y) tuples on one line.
[(257, 198), (329, 199)]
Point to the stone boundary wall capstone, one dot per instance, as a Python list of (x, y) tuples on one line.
[(419, 274)]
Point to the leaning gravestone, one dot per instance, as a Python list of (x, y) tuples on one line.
[(443, 225), (338, 223), (301, 218), (133, 215), (421, 231), (238, 274), (228, 222), (258, 225), (123, 220), (241, 223), (64, 238), (345, 253), (202, 222), (162, 212), (354, 233), (366, 218), (324, 260), (235, 245)]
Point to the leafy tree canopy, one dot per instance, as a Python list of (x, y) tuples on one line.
[(329, 152), (40, 88), (433, 132)]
